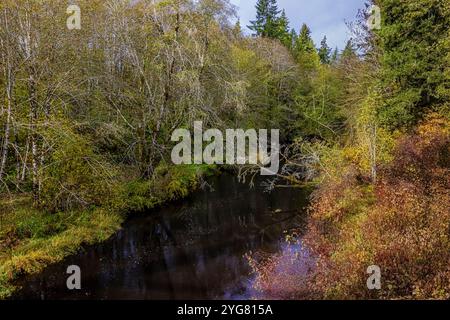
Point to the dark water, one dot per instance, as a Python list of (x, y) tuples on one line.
[(191, 250)]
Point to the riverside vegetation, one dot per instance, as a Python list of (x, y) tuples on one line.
[(384, 181), (87, 116)]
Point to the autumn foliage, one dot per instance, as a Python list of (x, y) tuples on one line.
[(400, 223)]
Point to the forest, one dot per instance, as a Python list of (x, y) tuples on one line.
[(87, 113)]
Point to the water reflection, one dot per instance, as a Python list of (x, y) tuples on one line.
[(191, 250)]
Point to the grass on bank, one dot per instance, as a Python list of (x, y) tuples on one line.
[(31, 239)]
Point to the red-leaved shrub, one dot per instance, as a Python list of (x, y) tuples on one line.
[(401, 224)]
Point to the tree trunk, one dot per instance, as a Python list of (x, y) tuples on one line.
[(34, 142), (155, 156), (9, 88)]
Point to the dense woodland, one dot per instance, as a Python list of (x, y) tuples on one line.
[(87, 115)]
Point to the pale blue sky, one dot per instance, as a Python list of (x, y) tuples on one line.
[(324, 17)]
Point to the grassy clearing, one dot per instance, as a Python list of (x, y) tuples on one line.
[(31, 239)]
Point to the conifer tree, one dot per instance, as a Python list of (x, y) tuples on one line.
[(335, 55), (412, 40), (324, 52), (268, 20), (304, 44), (237, 29), (349, 51), (294, 37), (259, 25), (284, 33), (304, 41)]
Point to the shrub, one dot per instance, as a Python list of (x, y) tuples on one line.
[(74, 177), (401, 223)]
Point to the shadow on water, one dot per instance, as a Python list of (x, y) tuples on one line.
[(191, 250)]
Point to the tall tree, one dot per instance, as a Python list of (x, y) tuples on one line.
[(349, 51), (274, 20), (304, 42), (9, 70), (304, 50), (284, 32), (267, 19), (412, 40), (294, 36), (324, 51), (237, 29), (335, 55)]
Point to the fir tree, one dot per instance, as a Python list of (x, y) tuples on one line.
[(414, 52), (294, 37), (304, 50), (265, 24), (284, 33), (324, 52), (258, 25), (304, 42), (335, 55), (237, 29), (349, 51)]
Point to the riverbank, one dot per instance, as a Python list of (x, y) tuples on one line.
[(192, 249), (31, 239), (400, 223)]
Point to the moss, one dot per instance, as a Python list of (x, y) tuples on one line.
[(43, 238), (168, 184), (31, 239)]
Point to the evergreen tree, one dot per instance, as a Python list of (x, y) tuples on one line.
[(349, 51), (412, 40), (324, 52), (304, 42), (267, 19), (335, 55), (305, 52), (273, 20), (294, 37), (284, 33), (258, 25), (237, 30), (272, 23)]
